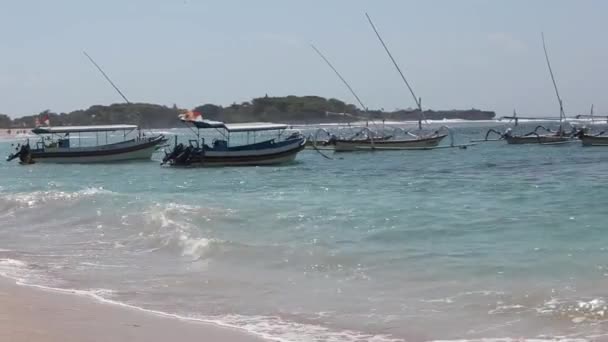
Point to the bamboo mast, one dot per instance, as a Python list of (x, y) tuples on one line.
[(106, 77), (562, 115), (340, 76), (418, 100)]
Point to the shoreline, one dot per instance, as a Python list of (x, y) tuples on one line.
[(30, 314)]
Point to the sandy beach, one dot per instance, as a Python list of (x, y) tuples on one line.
[(14, 133), (29, 314)]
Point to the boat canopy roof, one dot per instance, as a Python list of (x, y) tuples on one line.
[(78, 129), (254, 126), (240, 127)]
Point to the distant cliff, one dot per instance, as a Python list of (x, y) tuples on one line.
[(287, 109)]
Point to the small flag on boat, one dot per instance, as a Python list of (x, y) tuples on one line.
[(44, 120), (191, 115)]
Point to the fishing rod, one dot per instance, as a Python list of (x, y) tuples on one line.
[(562, 115), (418, 100), (106, 77)]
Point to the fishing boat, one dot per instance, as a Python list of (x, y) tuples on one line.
[(592, 140), (367, 139), (221, 152), (55, 145), (369, 142), (587, 139), (558, 137)]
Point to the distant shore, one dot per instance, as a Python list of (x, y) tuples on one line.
[(29, 314)]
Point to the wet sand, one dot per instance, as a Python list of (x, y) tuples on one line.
[(30, 314)]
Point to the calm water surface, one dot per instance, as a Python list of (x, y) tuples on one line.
[(494, 242)]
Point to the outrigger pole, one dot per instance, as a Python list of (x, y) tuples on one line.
[(340, 76), (352, 91), (562, 115), (418, 100), (106, 77)]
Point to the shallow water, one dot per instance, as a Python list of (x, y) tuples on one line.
[(490, 242)]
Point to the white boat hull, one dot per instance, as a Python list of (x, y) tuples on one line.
[(143, 154), (124, 151), (355, 145)]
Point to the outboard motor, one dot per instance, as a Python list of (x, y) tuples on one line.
[(24, 154), (170, 157), (183, 158)]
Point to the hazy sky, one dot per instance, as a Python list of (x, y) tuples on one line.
[(456, 54)]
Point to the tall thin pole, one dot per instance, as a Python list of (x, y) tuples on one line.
[(340, 76), (562, 115), (416, 99), (106, 77)]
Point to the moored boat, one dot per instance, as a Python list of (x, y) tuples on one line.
[(55, 146), (533, 137), (371, 143), (560, 137), (221, 153), (592, 140)]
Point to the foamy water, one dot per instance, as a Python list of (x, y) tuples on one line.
[(494, 243)]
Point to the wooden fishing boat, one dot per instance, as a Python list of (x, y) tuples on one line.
[(372, 143), (551, 138), (534, 137), (378, 141), (540, 139), (592, 140), (221, 153), (56, 146)]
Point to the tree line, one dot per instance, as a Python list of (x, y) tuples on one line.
[(286, 109)]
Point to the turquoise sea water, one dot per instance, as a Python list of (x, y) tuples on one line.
[(491, 242)]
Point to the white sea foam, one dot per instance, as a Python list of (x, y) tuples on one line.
[(171, 228), (12, 268), (195, 248), (271, 328), (452, 299), (510, 339), (577, 311), (35, 198)]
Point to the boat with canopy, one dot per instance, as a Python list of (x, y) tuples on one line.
[(63, 144), (223, 151)]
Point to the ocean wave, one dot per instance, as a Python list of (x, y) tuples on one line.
[(267, 327), (272, 327), (511, 339), (452, 299), (277, 329), (37, 198), (22, 271), (170, 227), (575, 310)]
